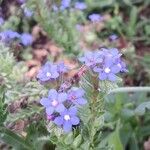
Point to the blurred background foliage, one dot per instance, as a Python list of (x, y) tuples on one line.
[(126, 119)]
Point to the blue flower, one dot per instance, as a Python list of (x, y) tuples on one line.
[(8, 36), (121, 65), (21, 1), (75, 95), (108, 71), (11, 34), (80, 5), (28, 13), (55, 8), (91, 58), (26, 39), (62, 68), (65, 4), (107, 62), (95, 17), (54, 102), (110, 54), (3, 37), (67, 119), (1, 21), (48, 72), (113, 37)]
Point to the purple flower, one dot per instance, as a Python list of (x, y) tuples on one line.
[(54, 102), (50, 117), (121, 65), (62, 68), (8, 35), (67, 118), (11, 34), (26, 39), (95, 17), (55, 8), (110, 54), (3, 37), (108, 71), (75, 95), (1, 21), (65, 4), (91, 58), (80, 5), (21, 1), (28, 13), (113, 37), (48, 72)]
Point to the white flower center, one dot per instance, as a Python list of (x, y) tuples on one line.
[(119, 65), (67, 117), (54, 103), (48, 74), (107, 70)]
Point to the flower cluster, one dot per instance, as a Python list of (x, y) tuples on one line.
[(67, 4), (51, 71), (57, 103), (80, 5), (61, 106), (95, 18), (106, 62), (7, 36)]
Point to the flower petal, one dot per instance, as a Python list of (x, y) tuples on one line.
[(96, 69), (115, 69), (79, 92), (72, 111), (52, 94), (45, 102), (58, 121), (60, 108), (112, 77), (75, 120), (55, 75), (81, 101), (67, 126), (62, 97), (49, 110), (102, 76)]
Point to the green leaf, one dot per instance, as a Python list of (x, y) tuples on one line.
[(114, 139), (140, 110), (69, 139), (14, 140), (77, 141), (3, 106), (132, 22), (133, 142)]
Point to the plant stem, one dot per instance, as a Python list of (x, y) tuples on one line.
[(130, 89)]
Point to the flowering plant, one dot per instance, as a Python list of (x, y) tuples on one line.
[(76, 106)]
